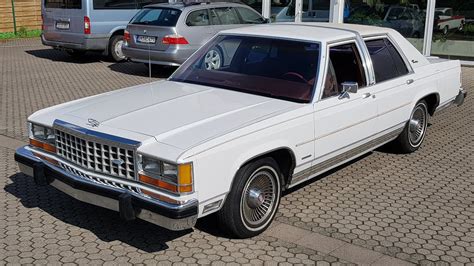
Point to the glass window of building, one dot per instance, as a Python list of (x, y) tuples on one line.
[(406, 16), (453, 29)]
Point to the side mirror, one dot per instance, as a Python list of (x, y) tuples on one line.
[(348, 87)]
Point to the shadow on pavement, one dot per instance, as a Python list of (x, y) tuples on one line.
[(140, 69), (63, 56), (104, 223)]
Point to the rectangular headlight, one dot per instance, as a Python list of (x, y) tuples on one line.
[(176, 178), (42, 137)]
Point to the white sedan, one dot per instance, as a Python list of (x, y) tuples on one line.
[(254, 112)]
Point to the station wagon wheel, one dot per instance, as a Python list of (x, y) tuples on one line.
[(253, 199), (414, 132), (213, 59)]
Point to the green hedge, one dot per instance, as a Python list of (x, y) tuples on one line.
[(21, 33)]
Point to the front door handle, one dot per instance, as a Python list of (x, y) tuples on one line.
[(410, 81), (366, 95)]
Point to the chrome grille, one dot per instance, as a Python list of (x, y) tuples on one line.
[(96, 156), (95, 179)]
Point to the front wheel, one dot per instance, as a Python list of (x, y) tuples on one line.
[(415, 130), (253, 200), (115, 48)]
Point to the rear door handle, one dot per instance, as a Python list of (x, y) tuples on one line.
[(410, 81), (366, 95)]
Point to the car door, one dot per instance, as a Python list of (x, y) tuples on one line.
[(197, 28), (394, 83), (343, 123)]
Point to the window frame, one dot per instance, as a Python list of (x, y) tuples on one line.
[(397, 48), (362, 56), (195, 10)]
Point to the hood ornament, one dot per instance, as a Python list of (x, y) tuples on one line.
[(117, 162), (92, 122)]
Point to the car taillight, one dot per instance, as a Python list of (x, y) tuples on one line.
[(87, 25), (174, 39), (126, 36)]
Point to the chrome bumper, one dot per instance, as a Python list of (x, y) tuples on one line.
[(130, 205)]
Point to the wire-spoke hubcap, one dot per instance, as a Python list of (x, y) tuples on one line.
[(259, 197), (212, 60), (417, 125)]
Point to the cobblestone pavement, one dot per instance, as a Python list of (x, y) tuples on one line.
[(417, 208)]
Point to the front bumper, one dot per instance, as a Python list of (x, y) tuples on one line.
[(130, 205)]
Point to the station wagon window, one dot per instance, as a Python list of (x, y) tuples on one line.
[(114, 4), (276, 68), (157, 17), (386, 60), (198, 18), (63, 4), (345, 65), (249, 17), (225, 16)]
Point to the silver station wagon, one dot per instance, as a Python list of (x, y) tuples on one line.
[(167, 34)]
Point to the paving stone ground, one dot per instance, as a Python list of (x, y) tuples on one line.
[(415, 208)]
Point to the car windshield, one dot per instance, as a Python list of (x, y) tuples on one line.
[(157, 17), (277, 68)]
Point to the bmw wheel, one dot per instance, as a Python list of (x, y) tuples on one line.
[(115, 48), (253, 200)]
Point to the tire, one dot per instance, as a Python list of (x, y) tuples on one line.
[(445, 30), (76, 53), (248, 210), (115, 48), (414, 132)]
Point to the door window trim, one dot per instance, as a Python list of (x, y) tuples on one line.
[(326, 65)]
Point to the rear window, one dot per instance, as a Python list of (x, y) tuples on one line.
[(64, 4), (157, 17)]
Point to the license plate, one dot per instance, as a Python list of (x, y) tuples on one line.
[(146, 39), (62, 25)]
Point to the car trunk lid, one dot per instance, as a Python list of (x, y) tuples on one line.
[(63, 20)]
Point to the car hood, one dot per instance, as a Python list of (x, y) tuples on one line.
[(174, 113)]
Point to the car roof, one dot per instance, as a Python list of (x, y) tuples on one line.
[(182, 6), (311, 31)]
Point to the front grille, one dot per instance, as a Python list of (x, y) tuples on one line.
[(101, 157), (95, 179)]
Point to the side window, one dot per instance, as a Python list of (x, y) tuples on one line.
[(198, 18), (114, 4), (227, 15), (345, 65), (249, 17), (387, 62)]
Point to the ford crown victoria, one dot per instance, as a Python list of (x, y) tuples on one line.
[(254, 112)]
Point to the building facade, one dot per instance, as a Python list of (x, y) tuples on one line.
[(442, 28)]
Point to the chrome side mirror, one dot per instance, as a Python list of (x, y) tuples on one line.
[(348, 87)]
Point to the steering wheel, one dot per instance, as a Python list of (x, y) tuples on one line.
[(293, 76)]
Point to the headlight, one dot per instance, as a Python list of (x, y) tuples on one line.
[(176, 178), (42, 137)]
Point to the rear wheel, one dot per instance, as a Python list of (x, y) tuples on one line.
[(253, 200), (76, 53), (115, 48), (415, 130)]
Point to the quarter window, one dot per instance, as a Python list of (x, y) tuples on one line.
[(386, 60), (198, 18), (345, 65), (250, 17), (226, 16)]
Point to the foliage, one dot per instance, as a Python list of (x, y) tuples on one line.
[(21, 33)]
